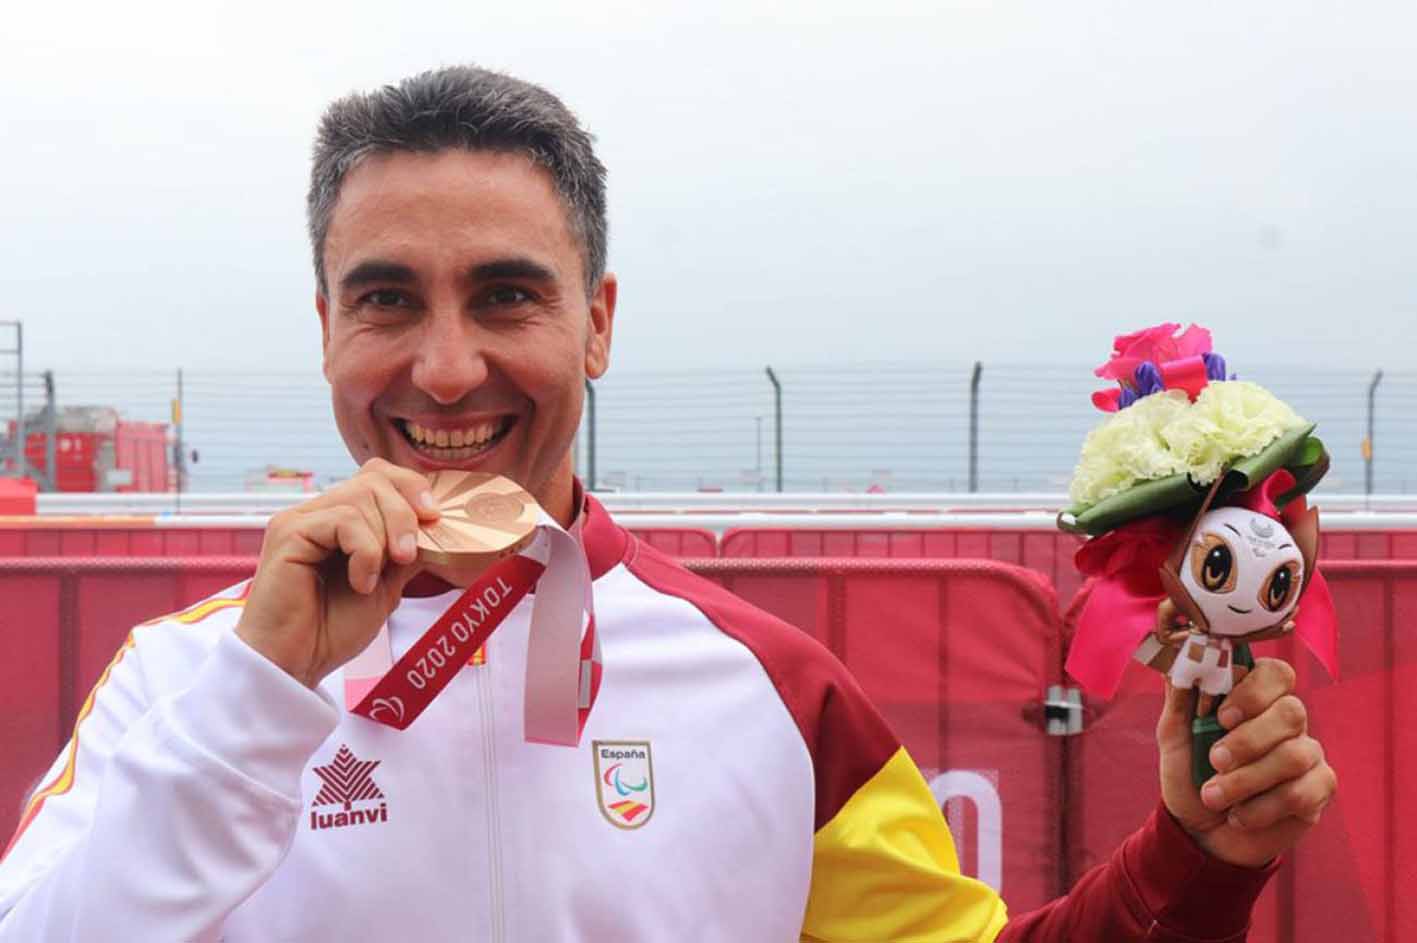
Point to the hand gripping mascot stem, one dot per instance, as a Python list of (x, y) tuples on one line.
[(1202, 541)]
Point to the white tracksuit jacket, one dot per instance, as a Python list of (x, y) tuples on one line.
[(732, 784)]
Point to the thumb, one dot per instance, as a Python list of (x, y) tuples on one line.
[(396, 578)]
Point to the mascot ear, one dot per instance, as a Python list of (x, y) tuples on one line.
[(1304, 528)]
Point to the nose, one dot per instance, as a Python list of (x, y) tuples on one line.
[(450, 362)]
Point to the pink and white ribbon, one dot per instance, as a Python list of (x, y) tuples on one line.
[(563, 666)]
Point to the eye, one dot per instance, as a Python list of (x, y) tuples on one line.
[(507, 295), (385, 298), (1281, 586), (1213, 564)]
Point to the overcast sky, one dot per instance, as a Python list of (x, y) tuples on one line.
[(790, 183)]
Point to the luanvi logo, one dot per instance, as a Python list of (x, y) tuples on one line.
[(345, 781)]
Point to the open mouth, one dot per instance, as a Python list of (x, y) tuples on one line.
[(455, 444)]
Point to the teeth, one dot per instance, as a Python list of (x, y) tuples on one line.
[(461, 443)]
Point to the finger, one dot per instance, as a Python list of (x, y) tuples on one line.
[(316, 536), (1177, 709), (1285, 719), (305, 536), (1303, 798), (407, 482), (364, 500), (1290, 760), (397, 520), (1266, 683), (395, 578), (365, 549)]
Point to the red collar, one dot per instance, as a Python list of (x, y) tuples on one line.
[(604, 541)]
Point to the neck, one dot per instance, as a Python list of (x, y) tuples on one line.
[(558, 496)]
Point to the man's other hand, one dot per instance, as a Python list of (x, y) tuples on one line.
[(333, 569), (1272, 782)]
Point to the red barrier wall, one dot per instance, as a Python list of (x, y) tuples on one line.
[(1049, 552), (123, 537), (680, 542), (1369, 545), (141, 537)]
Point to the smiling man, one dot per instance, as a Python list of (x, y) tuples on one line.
[(732, 782)]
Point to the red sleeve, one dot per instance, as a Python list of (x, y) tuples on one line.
[(1159, 886)]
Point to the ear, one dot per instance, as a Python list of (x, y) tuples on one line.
[(322, 307), (602, 324), (1304, 528)]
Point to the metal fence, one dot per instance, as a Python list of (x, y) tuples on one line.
[(900, 427)]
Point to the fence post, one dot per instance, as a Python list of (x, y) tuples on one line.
[(51, 434), (1368, 442), (974, 426), (21, 436), (590, 437), (179, 448), (777, 422)]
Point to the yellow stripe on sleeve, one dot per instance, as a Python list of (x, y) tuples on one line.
[(65, 780), (884, 869), (198, 611)]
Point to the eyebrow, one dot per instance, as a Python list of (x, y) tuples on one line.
[(516, 268), (374, 271), (377, 270)]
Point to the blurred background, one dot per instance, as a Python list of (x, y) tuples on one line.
[(870, 199), (847, 427)]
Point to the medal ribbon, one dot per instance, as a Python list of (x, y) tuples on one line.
[(563, 666)]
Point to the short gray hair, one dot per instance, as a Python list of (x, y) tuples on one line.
[(470, 108)]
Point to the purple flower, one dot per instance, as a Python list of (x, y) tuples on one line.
[(1148, 379), (1214, 367)]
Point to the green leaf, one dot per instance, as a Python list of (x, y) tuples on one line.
[(1296, 450), (1248, 472)]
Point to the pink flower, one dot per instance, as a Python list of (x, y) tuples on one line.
[(1159, 344)]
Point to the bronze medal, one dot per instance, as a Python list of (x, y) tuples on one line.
[(483, 518)]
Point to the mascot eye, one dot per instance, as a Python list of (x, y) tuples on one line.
[(1213, 564), (1281, 586)]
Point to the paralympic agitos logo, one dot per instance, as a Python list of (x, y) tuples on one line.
[(624, 781)]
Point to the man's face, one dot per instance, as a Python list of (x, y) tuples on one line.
[(457, 332)]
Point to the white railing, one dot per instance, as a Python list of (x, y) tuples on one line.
[(668, 503), (721, 521)]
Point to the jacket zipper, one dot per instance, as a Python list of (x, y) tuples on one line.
[(494, 813)]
